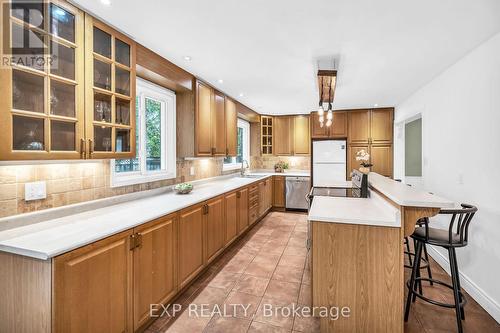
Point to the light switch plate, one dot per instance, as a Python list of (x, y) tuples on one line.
[(35, 191)]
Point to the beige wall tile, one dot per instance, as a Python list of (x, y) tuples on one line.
[(8, 191), (7, 174), (8, 208)]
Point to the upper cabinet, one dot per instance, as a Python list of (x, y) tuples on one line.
[(301, 137), (41, 100), (283, 135), (76, 98), (266, 130), (214, 134), (231, 127), (338, 129), (381, 126), (110, 91), (359, 127)]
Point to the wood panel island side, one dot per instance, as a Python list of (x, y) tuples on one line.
[(358, 256)]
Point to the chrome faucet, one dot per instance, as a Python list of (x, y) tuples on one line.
[(243, 168)]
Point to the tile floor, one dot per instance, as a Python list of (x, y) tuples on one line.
[(268, 266)]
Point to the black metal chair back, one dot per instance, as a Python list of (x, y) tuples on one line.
[(458, 230)]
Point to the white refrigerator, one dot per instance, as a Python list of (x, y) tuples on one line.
[(329, 162)]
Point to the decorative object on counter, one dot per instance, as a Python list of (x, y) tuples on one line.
[(281, 166), (183, 188), (363, 157)]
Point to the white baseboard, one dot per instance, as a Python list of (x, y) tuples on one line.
[(492, 307)]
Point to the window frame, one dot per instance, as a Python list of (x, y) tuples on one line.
[(246, 146), (167, 98)]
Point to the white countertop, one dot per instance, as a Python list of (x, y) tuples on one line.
[(373, 211), (405, 195), (50, 238)]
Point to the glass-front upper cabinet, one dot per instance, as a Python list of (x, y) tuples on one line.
[(110, 81), (42, 114)]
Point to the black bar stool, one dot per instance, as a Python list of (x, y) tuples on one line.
[(455, 236)]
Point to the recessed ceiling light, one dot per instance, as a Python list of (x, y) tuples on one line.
[(106, 2), (241, 95), (220, 81), (187, 58), (375, 105)]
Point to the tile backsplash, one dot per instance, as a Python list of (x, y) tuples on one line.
[(75, 182), (268, 162)]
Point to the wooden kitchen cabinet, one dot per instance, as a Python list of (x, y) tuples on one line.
[(155, 261), (279, 191), (301, 135), (213, 228), (266, 135), (382, 159), (218, 128), (242, 210), (42, 112), (93, 287), (110, 77), (254, 199), (381, 126), (265, 196), (190, 243), (283, 138), (338, 129), (358, 127), (231, 216), (231, 127), (204, 98)]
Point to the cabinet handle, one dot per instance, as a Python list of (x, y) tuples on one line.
[(238, 194), (227, 152), (91, 147), (133, 241), (83, 149), (213, 151)]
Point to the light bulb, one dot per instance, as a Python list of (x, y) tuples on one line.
[(321, 110), (329, 116), (321, 119), (328, 123), (321, 124)]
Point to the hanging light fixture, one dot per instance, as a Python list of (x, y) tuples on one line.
[(326, 80)]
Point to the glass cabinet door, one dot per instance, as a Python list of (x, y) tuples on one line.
[(42, 89), (110, 58)]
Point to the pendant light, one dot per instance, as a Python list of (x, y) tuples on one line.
[(321, 111)]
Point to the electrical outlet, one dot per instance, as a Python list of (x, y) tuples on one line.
[(191, 171), (35, 191)]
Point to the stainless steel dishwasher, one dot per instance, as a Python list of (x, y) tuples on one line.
[(297, 189)]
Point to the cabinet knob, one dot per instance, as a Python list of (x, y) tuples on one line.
[(91, 147), (83, 149)]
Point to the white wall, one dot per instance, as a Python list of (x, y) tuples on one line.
[(461, 156)]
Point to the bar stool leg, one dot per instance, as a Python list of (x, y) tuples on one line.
[(407, 242), (429, 272), (411, 287), (419, 282), (454, 278), (457, 275)]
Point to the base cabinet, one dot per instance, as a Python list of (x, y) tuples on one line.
[(154, 267), (190, 244), (279, 192), (231, 216), (213, 228), (92, 287), (242, 210)]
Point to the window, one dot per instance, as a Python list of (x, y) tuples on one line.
[(242, 148), (155, 139)]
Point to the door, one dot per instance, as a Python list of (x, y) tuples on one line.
[(279, 192), (282, 136), (339, 125), (214, 228), (110, 77), (359, 127), (218, 126), (318, 132), (231, 127), (381, 158), (231, 212), (242, 210), (203, 119), (381, 127), (190, 243), (301, 136), (154, 267), (351, 159), (93, 286)]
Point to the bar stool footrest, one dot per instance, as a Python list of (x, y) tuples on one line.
[(429, 300)]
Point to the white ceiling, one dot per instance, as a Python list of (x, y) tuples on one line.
[(268, 49)]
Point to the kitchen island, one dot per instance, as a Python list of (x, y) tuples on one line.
[(358, 256)]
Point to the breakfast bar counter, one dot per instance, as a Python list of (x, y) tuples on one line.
[(358, 256)]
